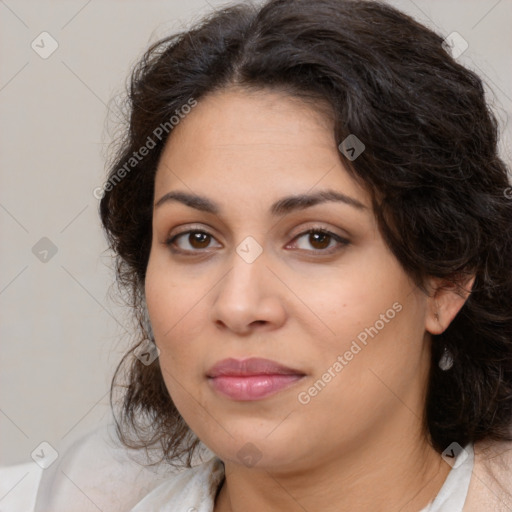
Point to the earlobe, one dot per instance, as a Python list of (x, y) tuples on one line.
[(444, 302)]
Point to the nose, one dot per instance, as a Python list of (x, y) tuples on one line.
[(248, 297)]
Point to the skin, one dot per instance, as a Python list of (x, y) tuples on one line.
[(359, 443)]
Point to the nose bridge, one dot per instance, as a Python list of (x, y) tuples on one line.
[(246, 294), (248, 266)]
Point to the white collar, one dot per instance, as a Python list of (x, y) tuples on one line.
[(193, 489), (453, 493)]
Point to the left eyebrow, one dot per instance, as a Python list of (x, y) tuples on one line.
[(279, 208)]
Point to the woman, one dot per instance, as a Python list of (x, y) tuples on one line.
[(313, 222)]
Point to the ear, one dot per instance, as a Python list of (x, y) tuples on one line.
[(444, 302)]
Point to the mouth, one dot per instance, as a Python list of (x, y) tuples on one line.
[(251, 379)]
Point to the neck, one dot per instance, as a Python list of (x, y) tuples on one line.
[(398, 474)]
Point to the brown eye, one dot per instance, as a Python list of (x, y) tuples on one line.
[(199, 240), (321, 240), (190, 241)]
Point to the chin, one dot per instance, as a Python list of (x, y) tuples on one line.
[(253, 447)]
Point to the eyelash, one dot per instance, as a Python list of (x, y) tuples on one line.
[(343, 242)]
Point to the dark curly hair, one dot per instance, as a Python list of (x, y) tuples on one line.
[(440, 191)]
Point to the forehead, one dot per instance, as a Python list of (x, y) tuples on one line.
[(262, 113), (253, 141)]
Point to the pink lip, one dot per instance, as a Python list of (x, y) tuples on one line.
[(251, 379)]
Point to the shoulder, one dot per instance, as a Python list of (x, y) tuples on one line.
[(491, 481), (95, 468), (191, 489)]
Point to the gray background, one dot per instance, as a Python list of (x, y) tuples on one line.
[(61, 335)]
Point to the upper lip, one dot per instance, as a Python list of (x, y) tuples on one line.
[(251, 366)]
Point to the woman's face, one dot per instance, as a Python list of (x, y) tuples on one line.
[(334, 308)]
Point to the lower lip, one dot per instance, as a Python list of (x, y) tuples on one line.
[(252, 387)]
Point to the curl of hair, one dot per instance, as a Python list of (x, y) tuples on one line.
[(431, 166)]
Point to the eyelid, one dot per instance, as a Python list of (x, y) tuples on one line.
[(341, 240), (318, 226), (169, 240)]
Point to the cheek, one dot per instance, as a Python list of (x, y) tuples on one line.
[(168, 297), (357, 383), (374, 320), (176, 313), (354, 299)]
